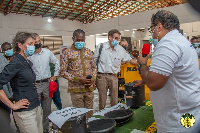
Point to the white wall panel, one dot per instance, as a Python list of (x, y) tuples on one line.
[(12, 23)]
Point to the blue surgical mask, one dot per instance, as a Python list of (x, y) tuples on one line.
[(195, 45), (30, 50), (79, 45), (155, 42), (9, 52), (114, 42)]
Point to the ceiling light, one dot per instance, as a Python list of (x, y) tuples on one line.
[(49, 20)]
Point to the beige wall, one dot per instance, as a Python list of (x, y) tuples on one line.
[(12, 23)]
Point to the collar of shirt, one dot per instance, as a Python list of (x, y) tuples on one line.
[(42, 50), (175, 31)]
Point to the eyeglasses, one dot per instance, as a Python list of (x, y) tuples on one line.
[(150, 29)]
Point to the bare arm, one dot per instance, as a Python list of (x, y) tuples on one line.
[(153, 80), (134, 62), (20, 104)]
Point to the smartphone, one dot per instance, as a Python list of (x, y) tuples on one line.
[(89, 77)]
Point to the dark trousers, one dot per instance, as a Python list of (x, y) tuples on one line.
[(4, 118), (56, 98)]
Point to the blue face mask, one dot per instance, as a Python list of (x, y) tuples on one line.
[(195, 45), (30, 50), (114, 42), (9, 52), (155, 42), (79, 45)]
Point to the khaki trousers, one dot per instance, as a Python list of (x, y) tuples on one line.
[(83, 100), (103, 82), (29, 121)]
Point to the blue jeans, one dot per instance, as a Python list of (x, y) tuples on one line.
[(56, 98)]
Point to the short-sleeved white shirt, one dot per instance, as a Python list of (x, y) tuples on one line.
[(110, 60), (174, 57)]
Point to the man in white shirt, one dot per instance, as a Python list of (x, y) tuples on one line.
[(173, 77), (41, 59), (195, 43), (108, 64)]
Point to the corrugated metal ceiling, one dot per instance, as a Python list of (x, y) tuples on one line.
[(85, 11)]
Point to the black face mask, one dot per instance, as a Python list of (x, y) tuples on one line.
[(37, 46), (124, 47)]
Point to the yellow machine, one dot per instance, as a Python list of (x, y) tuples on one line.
[(129, 73)]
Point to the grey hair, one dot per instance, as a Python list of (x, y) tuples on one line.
[(21, 37), (167, 19)]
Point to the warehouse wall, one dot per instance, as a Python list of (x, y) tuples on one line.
[(12, 23)]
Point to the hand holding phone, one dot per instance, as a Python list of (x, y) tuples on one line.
[(89, 77)]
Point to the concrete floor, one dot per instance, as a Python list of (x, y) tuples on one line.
[(66, 98)]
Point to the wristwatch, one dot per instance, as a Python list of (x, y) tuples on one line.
[(139, 66)]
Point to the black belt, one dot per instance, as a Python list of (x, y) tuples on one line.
[(106, 73), (42, 80)]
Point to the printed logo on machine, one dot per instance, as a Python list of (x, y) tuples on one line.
[(131, 69), (187, 120)]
